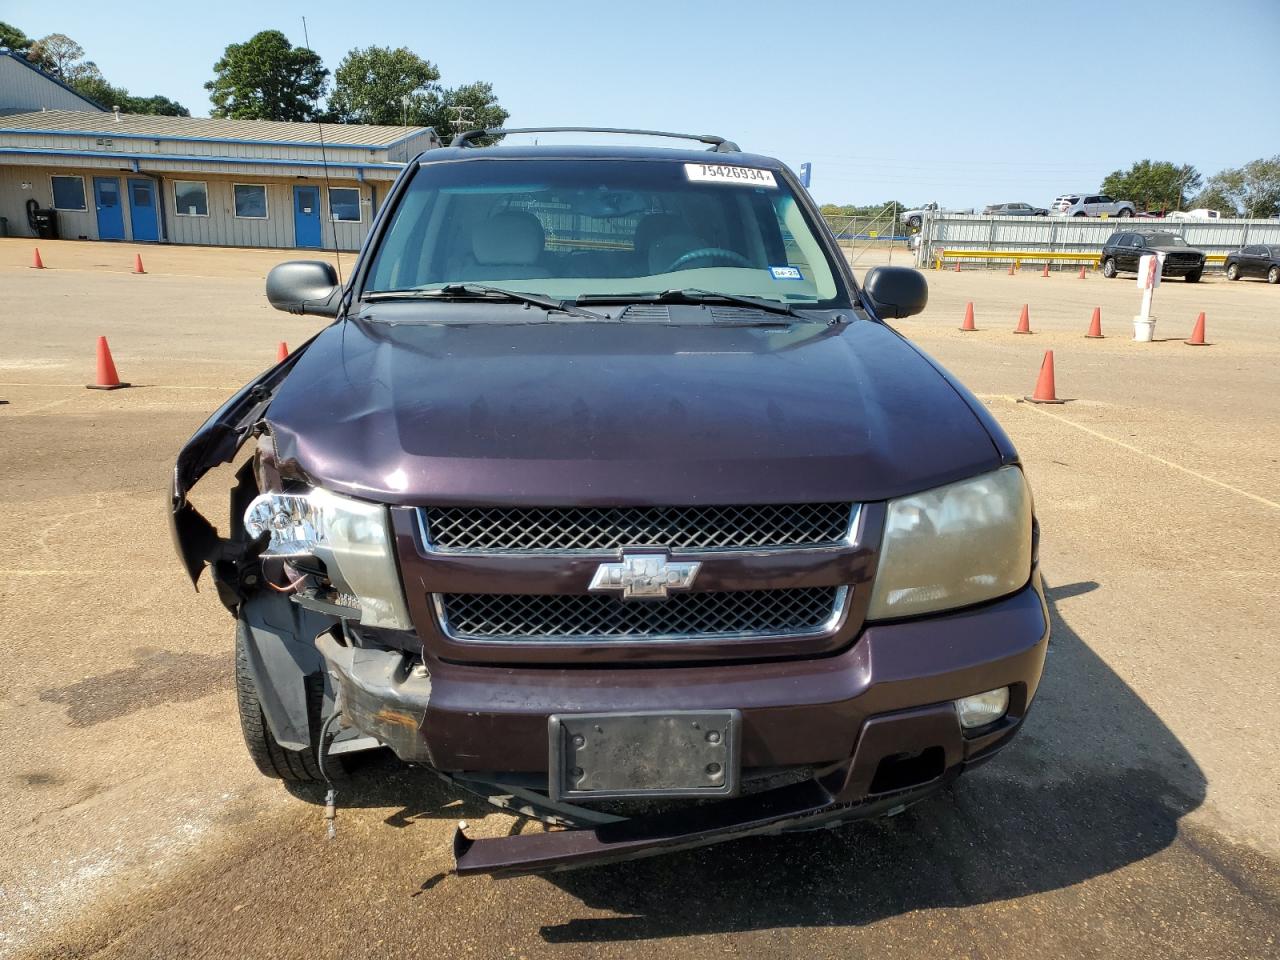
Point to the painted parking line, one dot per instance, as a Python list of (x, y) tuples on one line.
[(1138, 450)]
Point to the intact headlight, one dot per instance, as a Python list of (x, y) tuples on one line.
[(954, 545), (351, 538)]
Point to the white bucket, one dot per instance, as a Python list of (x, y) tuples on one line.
[(1144, 329)]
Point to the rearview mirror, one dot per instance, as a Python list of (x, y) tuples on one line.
[(305, 286), (896, 292)]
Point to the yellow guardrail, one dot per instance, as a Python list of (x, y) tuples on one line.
[(1037, 256)]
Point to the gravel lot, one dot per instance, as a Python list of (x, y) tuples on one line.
[(1136, 816)]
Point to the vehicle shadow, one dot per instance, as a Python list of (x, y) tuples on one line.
[(1095, 782)]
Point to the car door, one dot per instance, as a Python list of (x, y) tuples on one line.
[(1132, 250), (1254, 262)]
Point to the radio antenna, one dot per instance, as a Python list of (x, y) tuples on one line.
[(324, 163)]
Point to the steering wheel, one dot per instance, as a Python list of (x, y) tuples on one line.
[(708, 253)]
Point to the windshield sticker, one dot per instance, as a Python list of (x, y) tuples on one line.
[(719, 173), (786, 273)]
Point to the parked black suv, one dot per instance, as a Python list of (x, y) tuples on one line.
[(1123, 250)]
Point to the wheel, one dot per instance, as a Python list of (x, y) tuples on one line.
[(1079, 213), (1125, 213), (1109, 268), (914, 222), (271, 759), (1194, 276), (1273, 275), (1233, 272)]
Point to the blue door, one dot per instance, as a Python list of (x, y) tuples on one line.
[(106, 192), (142, 210), (306, 216)]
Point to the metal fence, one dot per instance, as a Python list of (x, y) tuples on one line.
[(952, 233)]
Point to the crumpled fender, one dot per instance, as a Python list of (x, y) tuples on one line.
[(195, 539)]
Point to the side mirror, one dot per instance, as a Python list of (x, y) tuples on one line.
[(896, 292), (305, 286)]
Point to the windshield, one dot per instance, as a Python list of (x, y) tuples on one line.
[(599, 228), (1165, 240)]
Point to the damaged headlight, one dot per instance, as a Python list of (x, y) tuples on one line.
[(954, 545), (351, 538)]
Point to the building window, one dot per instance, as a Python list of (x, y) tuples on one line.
[(68, 193), (344, 204), (251, 201), (191, 198)]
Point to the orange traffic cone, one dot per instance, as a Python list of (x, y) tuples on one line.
[(1095, 325), (36, 262), (1045, 391), (967, 325), (1024, 321), (1046, 270), (957, 266), (1011, 269), (1197, 335), (282, 352), (1082, 273), (137, 263), (108, 379)]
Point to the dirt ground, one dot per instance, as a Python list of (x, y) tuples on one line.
[(1137, 815)]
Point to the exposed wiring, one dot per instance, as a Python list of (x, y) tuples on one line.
[(289, 587), (331, 796)]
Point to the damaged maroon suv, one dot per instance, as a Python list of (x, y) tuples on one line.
[(609, 495)]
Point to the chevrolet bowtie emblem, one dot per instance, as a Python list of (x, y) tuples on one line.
[(644, 576)]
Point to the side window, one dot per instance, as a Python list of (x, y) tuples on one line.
[(190, 198), (1253, 251), (1092, 199), (1137, 241), (68, 193)]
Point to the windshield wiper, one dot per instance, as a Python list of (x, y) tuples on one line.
[(455, 291), (694, 295)]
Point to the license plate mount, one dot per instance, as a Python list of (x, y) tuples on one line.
[(674, 753)]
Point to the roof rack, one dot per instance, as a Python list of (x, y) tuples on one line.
[(718, 144)]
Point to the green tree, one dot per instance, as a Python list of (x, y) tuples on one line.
[(11, 38), (105, 94), (61, 56), (1153, 184), (1252, 190), (383, 86), (267, 78)]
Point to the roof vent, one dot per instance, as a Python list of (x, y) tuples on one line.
[(115, 111)]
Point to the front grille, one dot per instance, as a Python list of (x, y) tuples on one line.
[(534, 529), (682, 616)]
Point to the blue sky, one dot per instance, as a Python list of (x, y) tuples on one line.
[(993, 101)]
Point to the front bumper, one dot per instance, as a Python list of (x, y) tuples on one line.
[(888, 694)]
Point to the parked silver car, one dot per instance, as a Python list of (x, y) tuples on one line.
[(1014, 210), (1091, 205)]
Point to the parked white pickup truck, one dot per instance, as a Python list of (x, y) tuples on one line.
[(1091, 205)]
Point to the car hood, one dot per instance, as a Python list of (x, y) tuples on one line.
[(571, 412)]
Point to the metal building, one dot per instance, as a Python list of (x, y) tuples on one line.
[(25, 87), (242, 183)]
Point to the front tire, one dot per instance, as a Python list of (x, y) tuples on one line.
[(271, 759), (1233, 272), (914, 222), (1080, 213), (1273, 275), (1194, 276), (1125, 213), (1109, 268)]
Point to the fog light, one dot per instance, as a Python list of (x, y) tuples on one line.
[(983, 708)]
